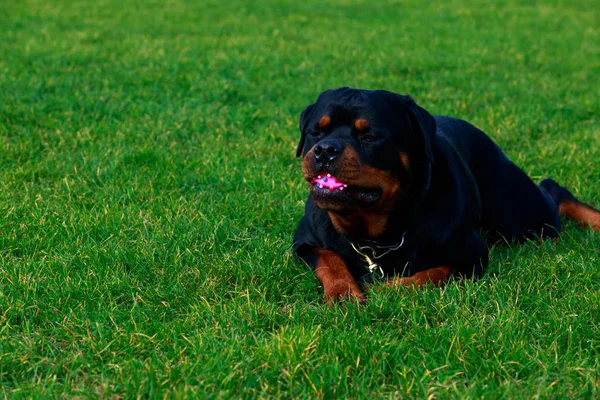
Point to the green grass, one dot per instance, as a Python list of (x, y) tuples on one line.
[(149, 193)]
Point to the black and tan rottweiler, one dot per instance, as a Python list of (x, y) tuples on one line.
[(401, 195)]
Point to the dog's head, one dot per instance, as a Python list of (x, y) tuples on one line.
[(366, 154)]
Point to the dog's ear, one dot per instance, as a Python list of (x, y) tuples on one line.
[(303, 125), (424, 127), (421, 120)]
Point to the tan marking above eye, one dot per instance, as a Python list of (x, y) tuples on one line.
[(405, 160), (324, 121), (361, 124)]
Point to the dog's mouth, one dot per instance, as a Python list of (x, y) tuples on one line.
[(328, 188)]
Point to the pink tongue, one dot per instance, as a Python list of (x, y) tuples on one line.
[(330, 182)]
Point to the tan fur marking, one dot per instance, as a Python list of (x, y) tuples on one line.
[(405, 160), (373, 224), (580, 213), (324, 121), (338, 282), (361, 124), (437, 276), (306, 165)]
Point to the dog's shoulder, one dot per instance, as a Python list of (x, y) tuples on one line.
[(452, 202)]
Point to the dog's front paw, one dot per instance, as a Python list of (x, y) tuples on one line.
[(434, 276), (401, 282), (341, 290)]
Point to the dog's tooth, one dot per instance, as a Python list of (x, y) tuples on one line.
[(342, 188), (319, 177), (320, 186), (329, 175)]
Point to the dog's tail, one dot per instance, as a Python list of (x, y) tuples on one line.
[(571, 207)]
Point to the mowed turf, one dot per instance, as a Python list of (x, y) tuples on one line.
[(149, 193)]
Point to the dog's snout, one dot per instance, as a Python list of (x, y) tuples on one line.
[(327, 151)]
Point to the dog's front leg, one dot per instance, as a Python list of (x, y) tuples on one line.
[(436, 276), (338, 282)]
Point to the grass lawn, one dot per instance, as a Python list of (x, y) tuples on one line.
[(149, 193)]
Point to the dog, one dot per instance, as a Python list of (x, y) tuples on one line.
[(399, 195)]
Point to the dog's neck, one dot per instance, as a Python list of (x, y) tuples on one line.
[(360, 224), (375, 227)]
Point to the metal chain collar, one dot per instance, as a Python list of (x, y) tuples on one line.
[(375, 268)]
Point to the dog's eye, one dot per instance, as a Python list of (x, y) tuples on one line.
[(316, 134), (368, 138)]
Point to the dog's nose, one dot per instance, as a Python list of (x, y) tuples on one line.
[(327, 151)]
